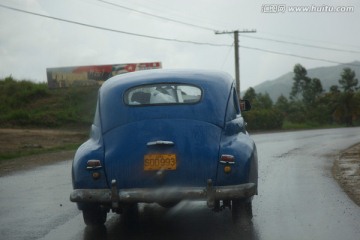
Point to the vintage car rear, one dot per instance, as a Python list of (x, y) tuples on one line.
[(164, 136)]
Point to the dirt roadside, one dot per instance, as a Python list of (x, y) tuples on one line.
[(346, 168), (48, 144)]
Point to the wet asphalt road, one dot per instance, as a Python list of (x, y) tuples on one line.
[(298, 199)]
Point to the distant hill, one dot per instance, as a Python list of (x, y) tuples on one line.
[(328, 76)]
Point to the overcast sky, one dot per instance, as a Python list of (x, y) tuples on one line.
[(29, 43)]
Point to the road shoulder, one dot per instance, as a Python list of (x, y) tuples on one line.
[(26, 163), (346, 170)]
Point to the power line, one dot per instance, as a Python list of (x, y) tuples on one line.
[(301, 44), (310, 40), (114, 30), (157, 16), (169, 39), (299, 56), (211, 29), (227, 55)]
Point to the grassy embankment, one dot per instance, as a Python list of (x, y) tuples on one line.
[(28, 105)]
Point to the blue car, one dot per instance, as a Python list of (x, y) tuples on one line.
[(163, 136)]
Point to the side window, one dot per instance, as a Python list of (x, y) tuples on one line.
[(233, 108), (96, 120), (236, 102)]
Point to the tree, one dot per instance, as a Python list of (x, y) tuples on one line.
[(347, 105), (263, 101), (305, 88), (301, 80), (297, 112), (312, 91), (250, 94), (258, 100), (263, 115), (282, 104), (334, 89), (348, 81)]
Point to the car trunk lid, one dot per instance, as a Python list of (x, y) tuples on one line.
[(162, 152)]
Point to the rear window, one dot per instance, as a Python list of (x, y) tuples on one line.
[(165, 93)]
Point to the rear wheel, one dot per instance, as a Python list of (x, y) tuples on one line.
[(241, 211), (168, 204), (130, 215), (94, 216)]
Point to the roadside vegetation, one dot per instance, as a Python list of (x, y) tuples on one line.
[(26, 104), (309, 105)]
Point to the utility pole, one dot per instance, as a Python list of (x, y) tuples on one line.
[(236, 46)]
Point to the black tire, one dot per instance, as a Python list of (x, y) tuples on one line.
[(241, 211), (168, 204), (130, 215), (94, 216)]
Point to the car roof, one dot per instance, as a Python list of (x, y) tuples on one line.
[(215, 85), (201, 77)]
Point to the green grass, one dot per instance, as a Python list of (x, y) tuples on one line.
[(28, 104)]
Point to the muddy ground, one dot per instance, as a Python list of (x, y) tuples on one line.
[(346, 169)]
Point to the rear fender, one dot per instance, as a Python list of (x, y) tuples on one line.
[(92, 149), (244, 169)]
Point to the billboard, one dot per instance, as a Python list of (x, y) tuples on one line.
[(92, 75)]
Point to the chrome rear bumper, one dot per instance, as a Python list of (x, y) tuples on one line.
[(116, 196)]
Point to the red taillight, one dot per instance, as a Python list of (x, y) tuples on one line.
[(93, 164), (226, 158)]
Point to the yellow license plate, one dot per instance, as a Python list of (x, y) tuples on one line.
[(159, 162)]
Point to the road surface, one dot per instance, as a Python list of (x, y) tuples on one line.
[(298, 199)]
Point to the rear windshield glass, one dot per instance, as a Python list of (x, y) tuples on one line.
[(165, 93)]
